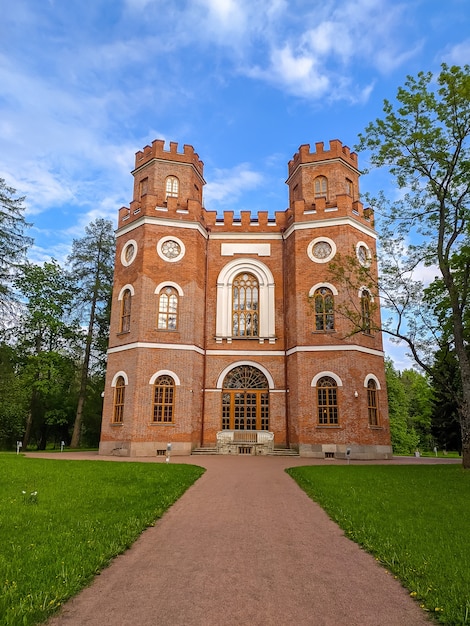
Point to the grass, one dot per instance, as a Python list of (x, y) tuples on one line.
[(61, 522), (414, 519)]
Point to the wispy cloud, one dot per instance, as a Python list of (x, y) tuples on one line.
[(458, 54), (228, 185)]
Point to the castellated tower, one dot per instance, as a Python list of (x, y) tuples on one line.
[(224, 331)]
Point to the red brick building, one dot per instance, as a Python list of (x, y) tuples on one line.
[(228, 324)]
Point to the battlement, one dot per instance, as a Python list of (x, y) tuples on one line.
[(246, 221), (336, 151), (157, 151)]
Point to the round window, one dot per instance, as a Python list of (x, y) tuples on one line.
[(129, 252), (321, 249), (171, 249)]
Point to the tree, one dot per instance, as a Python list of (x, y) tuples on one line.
[(419, 395), (424, 141), (92, 263), (405, 439), (445, 418), (13, 242), (13, 398), (46, 336)]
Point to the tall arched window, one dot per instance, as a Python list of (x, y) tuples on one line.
[(163, 399), (372, 402), (245, 306), (172, 187), (321, 187), (125, 324), (324, 309), (119, 396), (168, 309), (365, 311), (327, 401)]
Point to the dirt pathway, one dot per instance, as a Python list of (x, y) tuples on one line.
[(244, 545)]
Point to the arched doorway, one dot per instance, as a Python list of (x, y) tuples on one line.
[(245, 399)]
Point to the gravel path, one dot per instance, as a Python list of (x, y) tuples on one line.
[(244, 545)]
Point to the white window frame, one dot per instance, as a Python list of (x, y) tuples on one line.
[(266, 321)]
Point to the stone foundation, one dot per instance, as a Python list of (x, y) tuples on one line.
[(338, 451)]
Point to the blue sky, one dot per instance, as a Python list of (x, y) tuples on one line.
[(85, 85)]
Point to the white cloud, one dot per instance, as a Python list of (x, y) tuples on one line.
[(458, 54), (296, 72), (230, 184)]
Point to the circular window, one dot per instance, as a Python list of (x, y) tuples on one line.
[(171, 249), (129, 252), (363, 254), (321, 250)]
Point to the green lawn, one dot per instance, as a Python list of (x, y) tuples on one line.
[(414, 519), (62, 521)]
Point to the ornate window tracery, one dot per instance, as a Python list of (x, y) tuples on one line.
[(245, 399), (321, 187), (365, 311), (163, 399), (119, 396), (168, 309), (324, 309), (327, 401), (125, 324), (172, 187), (245, 306), (372, 402)]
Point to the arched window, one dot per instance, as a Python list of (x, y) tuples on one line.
[(372, 402), (245, 306), (324, 309), (163, 399), (365, 311), (245, 399), (119, 396), (224, 326), (125, 324), (321, 187), (168, 309), (327, 401), (172, 187)]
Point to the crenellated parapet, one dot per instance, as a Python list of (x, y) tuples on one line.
[(336, 151), (260, 222), (157, 151)]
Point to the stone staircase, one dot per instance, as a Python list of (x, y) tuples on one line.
[(206, 450)]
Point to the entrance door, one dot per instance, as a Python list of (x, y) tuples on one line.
[(245, 400)]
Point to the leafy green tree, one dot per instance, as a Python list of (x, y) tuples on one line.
[(405, 439), (419, 395), (424, 140), (445, 417), (13, 398), (13, 243), (92, 265), (47, 336)]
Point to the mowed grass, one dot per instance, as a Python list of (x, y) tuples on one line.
[(414, 519), (73, 518)]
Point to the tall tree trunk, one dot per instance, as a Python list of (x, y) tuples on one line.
[(27, 430), (77, 426)]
